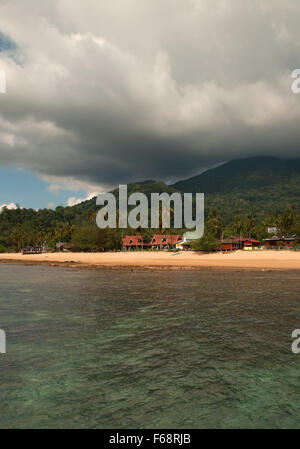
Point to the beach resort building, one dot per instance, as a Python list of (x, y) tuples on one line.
[(37, 249), (282, 242), (165, 241), (134, 242), (137, 242), (236, 243)]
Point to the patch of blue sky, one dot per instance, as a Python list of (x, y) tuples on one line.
[(23, 187), (6, 44), (11, 50)]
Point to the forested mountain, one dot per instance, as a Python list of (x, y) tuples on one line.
[(261, 185)]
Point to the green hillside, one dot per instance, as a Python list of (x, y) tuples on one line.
[(76, 224), (261, 185)]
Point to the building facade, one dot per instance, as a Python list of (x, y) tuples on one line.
[(158, 242), (236, 243)]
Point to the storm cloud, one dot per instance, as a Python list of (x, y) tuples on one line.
[(101, 93)]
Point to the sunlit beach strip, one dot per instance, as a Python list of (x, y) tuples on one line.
[(267, 259)]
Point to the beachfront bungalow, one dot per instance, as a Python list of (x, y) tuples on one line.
[(229, 245), (32, 250), (36, 249), (282, 242), (134, 242), (137, 242), (236, 243), (165, 241)]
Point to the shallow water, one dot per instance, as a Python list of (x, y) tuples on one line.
[(118, 349)]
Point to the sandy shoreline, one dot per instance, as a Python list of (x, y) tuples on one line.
[(256, 260)]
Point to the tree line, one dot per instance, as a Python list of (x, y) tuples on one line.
[(77, 227)]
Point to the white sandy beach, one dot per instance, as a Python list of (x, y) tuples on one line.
[(267, 259)]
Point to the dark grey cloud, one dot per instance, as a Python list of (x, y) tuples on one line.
[(116, 92)]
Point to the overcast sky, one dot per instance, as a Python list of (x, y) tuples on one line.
[(107, 92)]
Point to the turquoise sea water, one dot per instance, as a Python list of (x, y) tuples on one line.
[(122, 349)]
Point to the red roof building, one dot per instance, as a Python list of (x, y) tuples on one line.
[(165, 241), (133, 242), (236, 243), (277, 242), (157, 242)]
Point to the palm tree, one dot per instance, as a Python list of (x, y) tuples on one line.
[(250, 225), (40, 237), (69, 229), (238, 226), (18, 236), (59, 232), (214, 224), (288, 220)]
